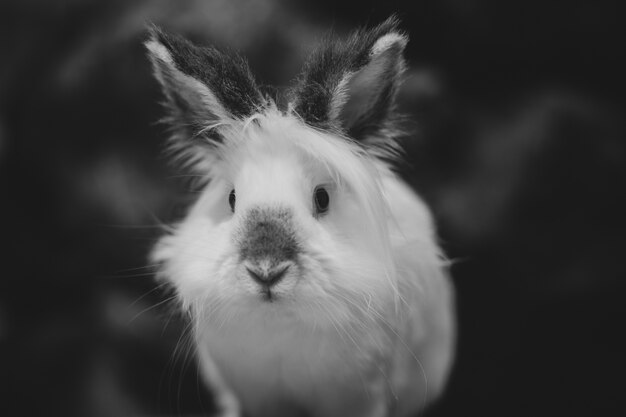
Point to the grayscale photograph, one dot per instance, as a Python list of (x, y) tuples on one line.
[(274, 208)]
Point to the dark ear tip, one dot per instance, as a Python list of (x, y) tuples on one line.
[(153, 34), (390, 25), (159, 35), (386, 36), (162, 44), (152, 29)]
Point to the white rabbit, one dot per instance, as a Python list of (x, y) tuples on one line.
[(309, 269)]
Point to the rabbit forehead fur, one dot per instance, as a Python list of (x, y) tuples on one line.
[(274, 163)]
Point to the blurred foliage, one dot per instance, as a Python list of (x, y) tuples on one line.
[(519, 147)]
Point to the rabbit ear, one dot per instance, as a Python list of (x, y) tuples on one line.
[(351, 85), (204, 88)]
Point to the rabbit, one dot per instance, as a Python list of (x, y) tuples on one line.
[(310, 271)]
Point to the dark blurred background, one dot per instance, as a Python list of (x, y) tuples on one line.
[(519, 148)]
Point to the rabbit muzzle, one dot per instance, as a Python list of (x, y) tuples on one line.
[(268, 246)]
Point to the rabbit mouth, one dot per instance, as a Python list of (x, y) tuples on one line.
[(270, 295), (267, 278), (267, 295)]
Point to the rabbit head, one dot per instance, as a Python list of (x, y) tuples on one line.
[(292, 222)]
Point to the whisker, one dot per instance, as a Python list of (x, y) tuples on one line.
[(147, 293), (143, 274), (411, 352), (138, 268), (151, 308), (131, 226), (182, 344), (186, 176)]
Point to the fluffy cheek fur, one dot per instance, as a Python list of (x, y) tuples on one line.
[(198, 260), (346, 282), (339, 285)]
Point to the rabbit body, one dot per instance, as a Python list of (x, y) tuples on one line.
[(384, 366), (310, 270)]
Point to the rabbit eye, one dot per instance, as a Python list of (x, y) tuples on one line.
[(321, 199), (231, 200)]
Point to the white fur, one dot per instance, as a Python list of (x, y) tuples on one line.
[(386, 41), (339, 97), (363, 327), (160, 51)]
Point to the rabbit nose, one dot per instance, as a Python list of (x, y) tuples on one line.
[(268, 233), (267, 277)]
